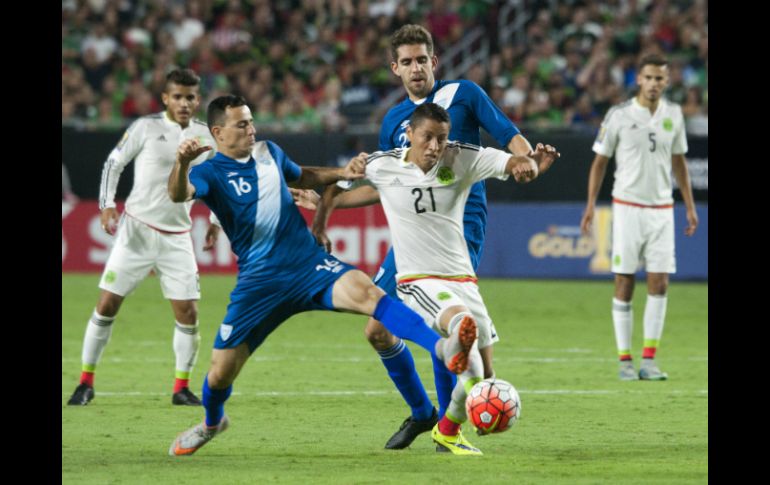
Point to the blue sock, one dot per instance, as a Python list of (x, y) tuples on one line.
[(445, 383), (400, 365), (214, 402), (403, 322)]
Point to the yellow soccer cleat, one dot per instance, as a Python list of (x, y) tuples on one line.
[(457, 445)]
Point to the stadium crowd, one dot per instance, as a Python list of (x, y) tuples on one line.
[(320, 65)]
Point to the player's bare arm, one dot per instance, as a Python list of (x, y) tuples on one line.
[(595, 177), (682, 176), (314, 176), (179, 187)]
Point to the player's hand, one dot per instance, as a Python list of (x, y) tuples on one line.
[(356, 167), (307, 199), (321, 238), (524, 169), (545, 155), (189, 150), (692, 223), (109, 219), (212, 235), (585, 222)]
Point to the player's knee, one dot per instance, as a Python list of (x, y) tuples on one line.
[(378, 336), (186, 314), (109, 304)]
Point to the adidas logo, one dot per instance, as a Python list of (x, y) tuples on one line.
[(396, 182), (633, 127), (161, 138), (232, 174)]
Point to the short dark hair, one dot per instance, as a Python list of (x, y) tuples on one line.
[(183, 77), (410, 34), (652, 60), (215, 116), (429, 111)]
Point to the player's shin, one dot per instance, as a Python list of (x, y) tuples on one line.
[(399, 363), (214, 402), (186, 344)]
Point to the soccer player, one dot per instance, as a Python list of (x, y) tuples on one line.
[(281, 269), (423, 189), (470, 109), (152, 234), (647, 136)]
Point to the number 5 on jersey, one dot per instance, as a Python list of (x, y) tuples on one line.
[(241, 186)]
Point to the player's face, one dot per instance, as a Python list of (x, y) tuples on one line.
[(181, 102), (428, 139), (415, 68), (652, 80), (237, 137)]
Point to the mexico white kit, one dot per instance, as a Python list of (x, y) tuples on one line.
[(425, 216), (153, 233), (643, 217)]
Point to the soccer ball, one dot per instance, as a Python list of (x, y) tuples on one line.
[(493, 405)]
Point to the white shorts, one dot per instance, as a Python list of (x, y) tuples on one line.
[(642, 237), (430, 297), (139, 249)]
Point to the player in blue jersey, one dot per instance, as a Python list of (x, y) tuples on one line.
[(470, 109), (281, 269)]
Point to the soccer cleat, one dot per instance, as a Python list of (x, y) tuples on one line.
[(191, 440), (626, 371), (457, 444), (409, 430), (650, 372), (185, 397), (455, 348), (83, 395)]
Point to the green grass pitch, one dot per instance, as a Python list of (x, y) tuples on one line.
[(314, 404)]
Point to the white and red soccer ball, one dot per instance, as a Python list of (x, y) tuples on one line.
[(493, 405)]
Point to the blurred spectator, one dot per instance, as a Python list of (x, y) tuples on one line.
[(695, 112), (575, 57), (183, 29)]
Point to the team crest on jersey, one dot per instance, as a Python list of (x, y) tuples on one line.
[(668, 124), (443, 296), (225, 331), (445, 175)]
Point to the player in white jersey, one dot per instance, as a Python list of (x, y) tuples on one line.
[(152, 234), (423, 189), (647, 136)]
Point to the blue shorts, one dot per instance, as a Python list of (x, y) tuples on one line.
[(259, 305), (386, 276)]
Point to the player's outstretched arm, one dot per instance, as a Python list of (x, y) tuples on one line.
[(312, 177), (682, 176), (179, 187), (524, 169), (595, 177)]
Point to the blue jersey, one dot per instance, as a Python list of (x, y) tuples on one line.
[(469, 109), (281, 269), (257, 212)]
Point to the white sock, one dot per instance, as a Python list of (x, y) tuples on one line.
[(187, 341), (654, 316), (465, 381), (97, 335), (623, 321)]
